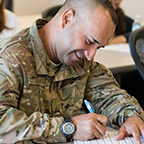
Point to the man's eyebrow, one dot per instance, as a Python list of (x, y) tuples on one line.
[(94, 39)]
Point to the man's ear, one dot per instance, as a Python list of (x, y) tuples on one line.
[(67, 17)]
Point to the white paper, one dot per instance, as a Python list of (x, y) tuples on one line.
[(109, 138), (117, 48)]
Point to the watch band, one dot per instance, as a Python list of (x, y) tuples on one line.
[(68, 128)]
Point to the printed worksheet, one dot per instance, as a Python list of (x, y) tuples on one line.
[(109, 138)]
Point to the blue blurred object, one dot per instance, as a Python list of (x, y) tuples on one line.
[(89, 106)]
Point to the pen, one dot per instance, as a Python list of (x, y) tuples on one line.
[(89, 106)]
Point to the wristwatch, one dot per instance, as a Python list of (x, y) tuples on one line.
[(68, 128)]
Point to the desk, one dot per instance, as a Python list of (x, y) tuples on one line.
[(117, 58)]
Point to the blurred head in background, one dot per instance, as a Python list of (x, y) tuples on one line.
[(2, 18), (0, 1), (115, 3), (124, 26), (121, 27)]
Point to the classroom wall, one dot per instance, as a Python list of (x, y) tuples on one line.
[(133, 7), (24, 7)]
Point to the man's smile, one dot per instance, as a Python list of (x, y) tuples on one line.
[(77, 55)]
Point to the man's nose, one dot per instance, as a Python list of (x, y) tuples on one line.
[(89, 54)]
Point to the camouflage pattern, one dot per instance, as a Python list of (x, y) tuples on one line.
[(36, 94)]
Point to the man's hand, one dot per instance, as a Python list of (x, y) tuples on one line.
[(89, 126), (133, 126)]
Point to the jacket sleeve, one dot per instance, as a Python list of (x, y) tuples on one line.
[(108, 99), (15, 125)]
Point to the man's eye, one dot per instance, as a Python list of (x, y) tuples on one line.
[(100, 47), (89, 42)]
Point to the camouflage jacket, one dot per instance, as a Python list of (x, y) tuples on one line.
[(36, 94)]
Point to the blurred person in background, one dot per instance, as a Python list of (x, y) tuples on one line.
[(9, 23), (124, 26), (132, 82)]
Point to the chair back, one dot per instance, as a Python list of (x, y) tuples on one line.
[(136, 43), (50, 12)]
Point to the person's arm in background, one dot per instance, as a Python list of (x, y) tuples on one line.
[(17, 27), (12, 21), (11, 16), (123, 38)]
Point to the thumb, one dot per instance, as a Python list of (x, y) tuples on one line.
[(121, 133)]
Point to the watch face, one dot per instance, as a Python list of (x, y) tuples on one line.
[(68, 128)]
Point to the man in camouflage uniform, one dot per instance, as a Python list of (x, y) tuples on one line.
[(46, 71)]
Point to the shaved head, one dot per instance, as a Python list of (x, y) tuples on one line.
[(78, 29), (86, 7)]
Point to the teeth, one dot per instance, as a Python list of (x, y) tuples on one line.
[(77, 55)]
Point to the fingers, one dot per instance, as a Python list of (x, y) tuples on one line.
[(121, 133), (136, 135), (97, 130), (134, 132), (101, 128), (102, 119), (89, 126), (142, 129), (99, 125), (134, 127)]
